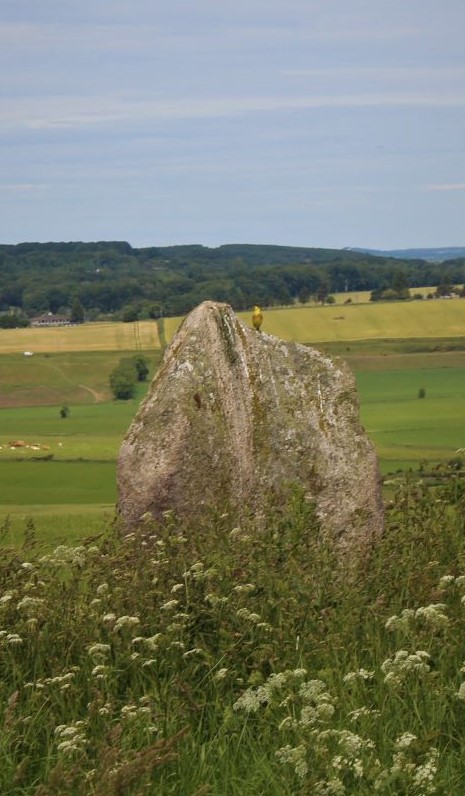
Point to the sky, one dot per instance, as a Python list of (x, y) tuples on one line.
[(326, 123)]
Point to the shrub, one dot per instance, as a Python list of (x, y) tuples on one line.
[(123, 380), (142, 367), (13, 320), (130, 314)]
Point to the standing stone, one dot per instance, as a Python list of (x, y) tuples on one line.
[(233, 416)]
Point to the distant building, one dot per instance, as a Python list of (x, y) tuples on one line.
[(50, 320)]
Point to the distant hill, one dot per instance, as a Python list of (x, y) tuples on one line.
[(430, 255), (113, 279)]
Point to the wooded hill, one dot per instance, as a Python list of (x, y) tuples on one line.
[(113, 278)]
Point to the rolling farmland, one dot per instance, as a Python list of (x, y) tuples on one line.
[(66, 468), (304, 324)]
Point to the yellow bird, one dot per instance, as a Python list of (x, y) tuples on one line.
[(257, 318)]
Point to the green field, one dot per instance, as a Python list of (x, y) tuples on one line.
[(51, 378), (407, 429), (66, 468)]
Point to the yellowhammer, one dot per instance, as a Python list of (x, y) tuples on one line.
[(257, 318)]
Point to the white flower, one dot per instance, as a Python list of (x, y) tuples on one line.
[(295, 757), (99, 670), (126, 621), (66, 732), (105, 711), (361, 713), (402, 622), (214, 600), (461, 692), (29, 603), (402, 664), (170, 605), (360, 674), (244, 613), (6, 598), (177, 645), (351, 744), (405, 740), (98, 649), (433, 615), (13, 639), (425, 774), (252, 699), (331, 787), (151, 642), (194, 651), (127, 710), (446, 581)]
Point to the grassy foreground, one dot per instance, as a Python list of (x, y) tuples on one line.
[(222, 660)]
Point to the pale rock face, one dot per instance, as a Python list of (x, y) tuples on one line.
[(233, 416)]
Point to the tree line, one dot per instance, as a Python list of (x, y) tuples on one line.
[(114, 279)]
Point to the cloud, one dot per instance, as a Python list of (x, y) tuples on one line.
[(36, 38), (21, 187), (61, 113), (447, 186), (396, 72)]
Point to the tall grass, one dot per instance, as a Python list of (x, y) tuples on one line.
[(216, 659)]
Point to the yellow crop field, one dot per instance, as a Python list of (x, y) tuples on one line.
[(379, 321), (419, 319), (142, 335), (304, 324), (444, 318)]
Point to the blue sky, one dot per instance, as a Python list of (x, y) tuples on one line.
[(325, 123)]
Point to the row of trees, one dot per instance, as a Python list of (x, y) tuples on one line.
[(111, 278), (401, 292)]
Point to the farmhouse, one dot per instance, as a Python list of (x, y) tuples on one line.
[(50, 320)]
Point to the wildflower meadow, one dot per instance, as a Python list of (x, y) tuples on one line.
[(208, 658)]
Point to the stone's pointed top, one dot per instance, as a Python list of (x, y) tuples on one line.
[(233, 416)]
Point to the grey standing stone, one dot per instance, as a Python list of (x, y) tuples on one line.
[(233, 416)]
